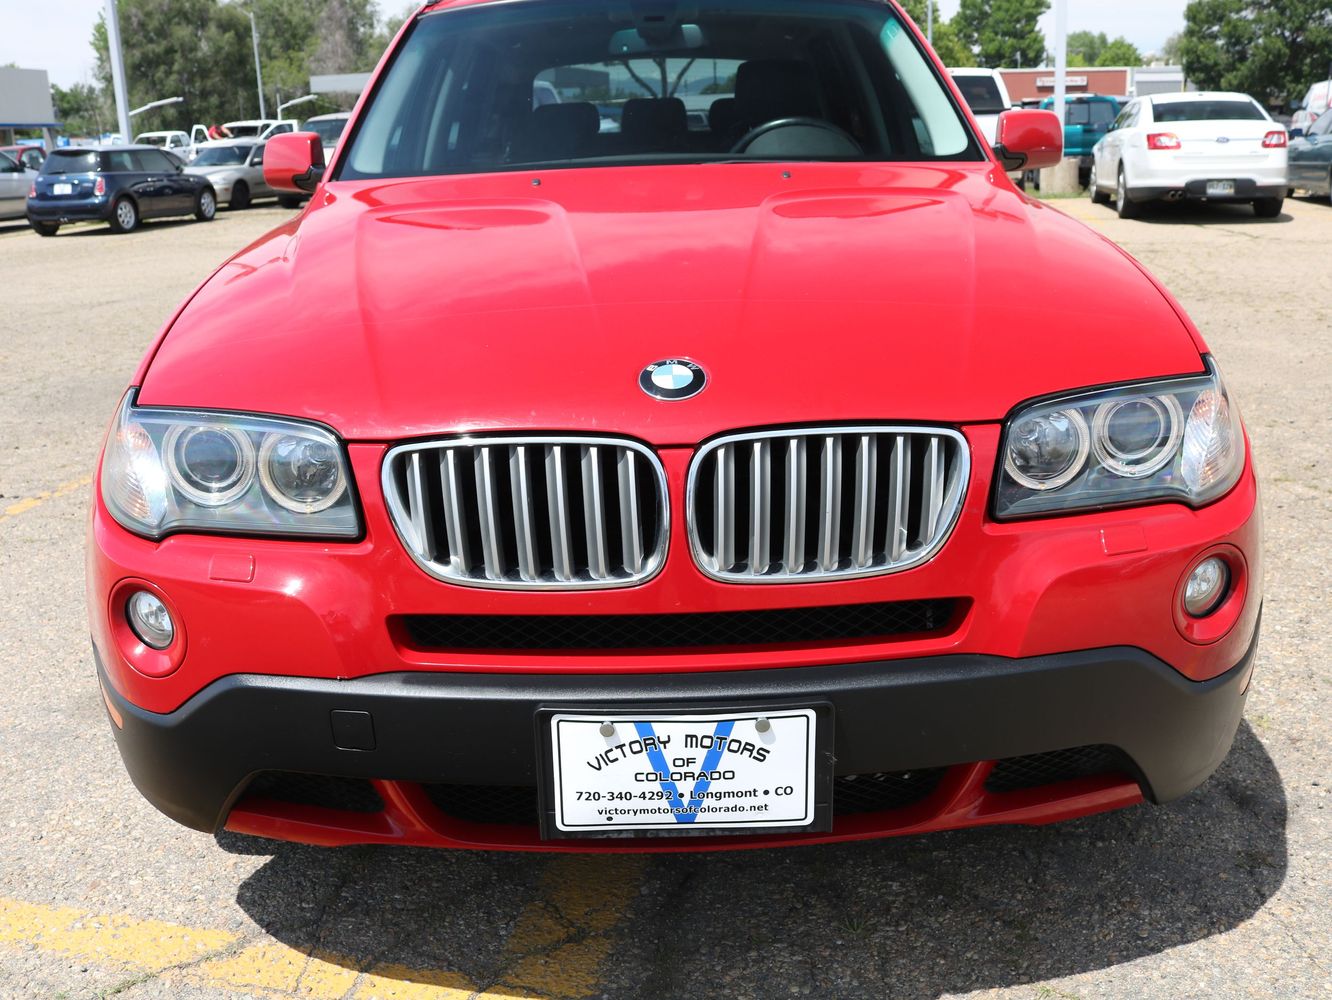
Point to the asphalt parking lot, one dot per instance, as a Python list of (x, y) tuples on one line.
[(1225, 893)]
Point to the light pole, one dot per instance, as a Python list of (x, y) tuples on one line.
[(157, 104), (258, 76), (299, 100), (117, 69)]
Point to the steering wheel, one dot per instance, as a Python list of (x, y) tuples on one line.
[(832, 135)]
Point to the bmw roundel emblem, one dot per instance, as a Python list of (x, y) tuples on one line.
[(672, 379)]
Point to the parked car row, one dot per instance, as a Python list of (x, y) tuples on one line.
[(161, 174)]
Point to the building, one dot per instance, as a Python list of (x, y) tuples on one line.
[(25, 103), (1117, 81)]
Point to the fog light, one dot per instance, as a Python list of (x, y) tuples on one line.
[(150, 619), (1207, 587)]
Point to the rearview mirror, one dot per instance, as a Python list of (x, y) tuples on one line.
[(294, 161), (1029, 140)]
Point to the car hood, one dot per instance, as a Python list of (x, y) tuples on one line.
[(818, 292)]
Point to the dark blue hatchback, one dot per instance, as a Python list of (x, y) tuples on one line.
[(120, 185)]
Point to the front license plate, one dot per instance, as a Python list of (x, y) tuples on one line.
[(734, 771), (1220, 189), (62, 188)]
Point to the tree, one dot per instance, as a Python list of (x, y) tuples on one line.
[(1002, 32), (82, 110), (195, 49), (949, 47), (1085, 47), (1271, 49), (1120, 52), (1171, 51)]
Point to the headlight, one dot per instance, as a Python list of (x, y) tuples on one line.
[(177, 470), (1175, 439)]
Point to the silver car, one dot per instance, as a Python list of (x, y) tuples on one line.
[(236, 169), (14, 184)]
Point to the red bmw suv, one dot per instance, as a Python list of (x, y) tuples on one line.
[(666, 428)]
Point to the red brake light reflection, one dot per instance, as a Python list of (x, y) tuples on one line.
[(99, 186), (1163, 140)]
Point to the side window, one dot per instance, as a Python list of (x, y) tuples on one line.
[(1123, 120), (121, 162), (8, 166), (257, 157)]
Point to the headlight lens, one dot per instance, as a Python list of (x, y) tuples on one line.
[(174, 470), (1176, 439)]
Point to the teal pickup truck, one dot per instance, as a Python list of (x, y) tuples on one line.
[(1088, 117)]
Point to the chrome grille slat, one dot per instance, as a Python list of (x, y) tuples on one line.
[(899, 476), (830, 509), (540, 512), (862, 539), (459, 560), (760, 506), (492, 555), (557, 499), (594, 513), (824, 503), (627, 477), (524, 525)]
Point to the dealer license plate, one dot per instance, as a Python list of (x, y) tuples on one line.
[(1220, 189), (680, 773), (62, 188)]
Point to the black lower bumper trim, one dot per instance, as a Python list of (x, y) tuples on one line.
[(477, 729)]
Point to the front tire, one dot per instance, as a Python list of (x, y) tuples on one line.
[(44, 228), (205, 205), (1098, 196), (240, 197), (124, 216), (1124, 205), (1268, 208)]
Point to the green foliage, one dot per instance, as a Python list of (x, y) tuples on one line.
[(83, 110), (1085, 47), (1120, 52), (1271, 49), (201, 50), (1002, 33), (946, 43)]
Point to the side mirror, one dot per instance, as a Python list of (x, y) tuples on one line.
[(294, 161), (1029, 140)]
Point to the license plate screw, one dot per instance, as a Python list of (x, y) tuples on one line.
[(607, 730), (762, 725)]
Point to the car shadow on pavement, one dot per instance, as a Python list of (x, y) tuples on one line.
[(914, 917)]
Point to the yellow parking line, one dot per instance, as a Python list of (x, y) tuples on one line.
[(555, 952), (28, 503)]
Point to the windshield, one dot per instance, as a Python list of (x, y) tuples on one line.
[(62, 162), (328, 130), (981, 93), (1207, 111), (241, 131), (507, 86), (221, 156)]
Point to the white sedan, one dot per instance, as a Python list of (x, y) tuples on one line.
[(1213, 146)]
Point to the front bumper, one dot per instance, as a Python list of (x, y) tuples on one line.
[(423, 732)]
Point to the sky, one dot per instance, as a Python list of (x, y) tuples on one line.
[(55, 34)]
